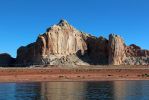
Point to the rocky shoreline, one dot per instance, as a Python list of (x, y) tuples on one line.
[(81, 73)]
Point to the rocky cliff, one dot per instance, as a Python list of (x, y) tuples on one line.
[(97, 50), (56, 46), (136, 56), (116, 50), (62, 44), (120, 54)]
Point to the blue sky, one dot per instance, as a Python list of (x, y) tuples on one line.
[(21, 21)]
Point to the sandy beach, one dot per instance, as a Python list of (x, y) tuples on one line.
[(83, 73)]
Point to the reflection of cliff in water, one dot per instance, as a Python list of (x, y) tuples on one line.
[(63, 90), (114, 90), (100, 91), (77, 90), (131, 90)]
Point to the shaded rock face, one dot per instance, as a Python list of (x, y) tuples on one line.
[(116, 50), (6, 60), (59, 41), (97, 50)]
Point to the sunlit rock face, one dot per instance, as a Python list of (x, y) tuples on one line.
[(6, 60), (120, 54), (60, 41), (62, 44), (116, 50)]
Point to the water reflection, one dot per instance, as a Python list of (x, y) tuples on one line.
[(99, 91), (114, 90), (77, 91), (30, 91), (7, 91), (63, 90), (131, 90), (20, 91)]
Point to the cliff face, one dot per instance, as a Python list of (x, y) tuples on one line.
[(120, 54), (116, 50), (62, 44), (97, 50), (60, 41)]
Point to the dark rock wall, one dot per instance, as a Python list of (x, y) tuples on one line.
[(6, 60), (97, 50)]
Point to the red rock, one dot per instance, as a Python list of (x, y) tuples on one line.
[(135, 51)]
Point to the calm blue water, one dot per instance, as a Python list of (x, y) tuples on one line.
[(113, 90)]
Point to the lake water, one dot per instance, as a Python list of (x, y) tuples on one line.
[(111, 90)]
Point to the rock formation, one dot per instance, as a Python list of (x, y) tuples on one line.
[(135, 51), (6, 60), (120, 54), (116, 50), (60, 41), (62, 44), (136, 56)]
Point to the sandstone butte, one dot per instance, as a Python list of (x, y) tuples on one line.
[(62, 44)]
